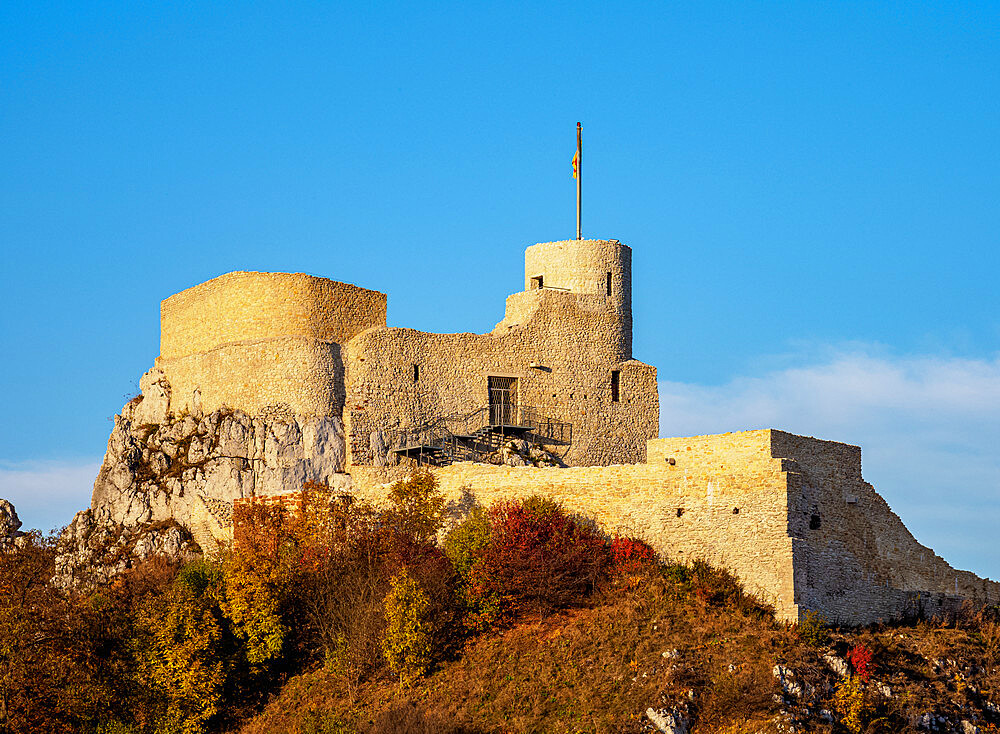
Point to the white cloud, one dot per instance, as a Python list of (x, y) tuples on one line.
[(47, 494), (929, 428)]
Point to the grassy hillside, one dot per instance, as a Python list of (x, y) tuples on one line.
[(336, 616), (692, 646)]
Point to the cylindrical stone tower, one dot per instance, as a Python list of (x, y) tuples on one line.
[(587, 267)]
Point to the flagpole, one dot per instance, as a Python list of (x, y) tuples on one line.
[(579, 179)]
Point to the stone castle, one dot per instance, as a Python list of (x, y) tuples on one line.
[(562, 354), (266, 380)]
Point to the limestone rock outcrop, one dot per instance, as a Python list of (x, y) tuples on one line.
[(160, 464), (10, 534)]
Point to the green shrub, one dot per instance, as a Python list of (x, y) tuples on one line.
[(813, 630), (465, 543), (407, 640)]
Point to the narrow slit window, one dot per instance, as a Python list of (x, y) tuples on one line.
[(615, 385), (416, 373), (538, 282), (609, 282)]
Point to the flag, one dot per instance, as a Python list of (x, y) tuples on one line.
[(576, 164)]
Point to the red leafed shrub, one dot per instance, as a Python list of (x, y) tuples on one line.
[(860, 658), (537, 559), (630, 556)]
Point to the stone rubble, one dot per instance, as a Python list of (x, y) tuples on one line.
[(837, 665), (786, 679), (518, 452)]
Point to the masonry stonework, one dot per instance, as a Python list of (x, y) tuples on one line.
[(253, 341), (259, 341), (748, 502), (244, 307), (791, 516)]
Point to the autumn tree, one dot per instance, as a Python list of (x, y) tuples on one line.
[(257, 575), (186, 649), (60, 669)]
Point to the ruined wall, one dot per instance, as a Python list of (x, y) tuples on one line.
[(562, 342), (570, 338), (211, 525), (246, 307), (303, 374), (685, 512), (252, 341), (746, 501), (854, 558)]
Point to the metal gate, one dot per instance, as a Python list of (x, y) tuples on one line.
[(503, 400)]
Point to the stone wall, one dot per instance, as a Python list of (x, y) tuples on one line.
[(245, 307), (583, 267), (854, 558), (562, 348), (789, 515), (735, 519), (211, 525), (305, 375)]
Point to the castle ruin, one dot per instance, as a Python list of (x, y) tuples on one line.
[(266, 380), (559, 363)]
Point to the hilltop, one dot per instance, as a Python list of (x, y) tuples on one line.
[(690, 651), (331, 615)]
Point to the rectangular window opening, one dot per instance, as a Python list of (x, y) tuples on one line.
[(615, 382), (537, 282), (416, 373), (609, 283)]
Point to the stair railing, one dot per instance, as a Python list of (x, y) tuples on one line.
[(473, 435)]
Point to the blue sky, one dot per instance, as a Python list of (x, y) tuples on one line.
[(809, 190)]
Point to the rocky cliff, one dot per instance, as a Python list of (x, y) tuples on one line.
[(160, 464)]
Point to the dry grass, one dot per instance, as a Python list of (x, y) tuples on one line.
[(594, 669), (598, 668)]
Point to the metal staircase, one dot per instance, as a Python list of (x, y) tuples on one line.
[(476, 435)]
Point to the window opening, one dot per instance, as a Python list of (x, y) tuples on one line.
[(814, 522), (615, 386), (609, 282), (416, 373), (537, 282)]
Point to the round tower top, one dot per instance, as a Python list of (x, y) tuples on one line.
[(587, 267)]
